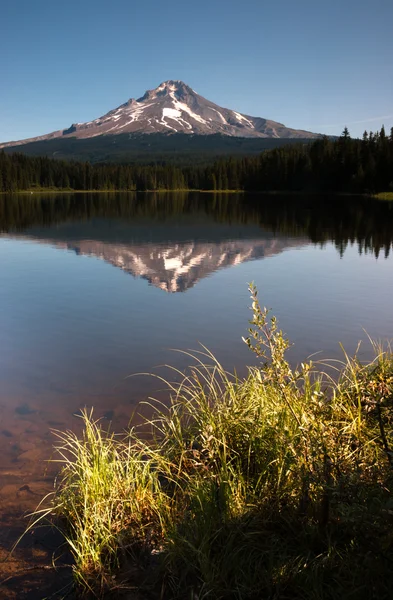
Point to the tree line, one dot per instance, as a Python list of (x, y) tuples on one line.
[(325, 165)]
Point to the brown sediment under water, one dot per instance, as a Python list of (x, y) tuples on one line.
[(26, 478), (40, 565), (95, 288)]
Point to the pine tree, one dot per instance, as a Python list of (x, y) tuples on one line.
[(345, 133)]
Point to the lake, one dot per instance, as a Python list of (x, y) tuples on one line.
[(95, 288)]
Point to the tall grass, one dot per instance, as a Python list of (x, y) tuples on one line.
[(277, 485), (108, 498)]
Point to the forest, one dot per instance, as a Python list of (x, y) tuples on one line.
[(179, 149), (326, 165)]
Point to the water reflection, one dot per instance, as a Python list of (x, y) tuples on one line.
[(73, 328), (177, 266), (174, 241)]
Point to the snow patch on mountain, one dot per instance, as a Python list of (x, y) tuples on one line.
[(242, 118), (171, 112), (220, 115)]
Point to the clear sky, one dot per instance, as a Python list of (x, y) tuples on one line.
[(310, 64)]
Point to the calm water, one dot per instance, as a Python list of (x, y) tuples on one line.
[(95, 288)]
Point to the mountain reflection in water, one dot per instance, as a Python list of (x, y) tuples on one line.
[(176, 267), (173, 241)]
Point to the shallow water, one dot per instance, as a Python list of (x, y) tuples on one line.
[(94, 288)]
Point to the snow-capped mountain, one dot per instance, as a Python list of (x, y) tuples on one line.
[(173, 107)]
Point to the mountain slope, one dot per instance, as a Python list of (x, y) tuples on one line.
[(172, 107), (177, 148)]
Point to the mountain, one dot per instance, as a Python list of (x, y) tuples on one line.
[(171, 108)]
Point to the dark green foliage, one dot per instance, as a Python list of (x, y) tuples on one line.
[(342, 165), (156, 148)]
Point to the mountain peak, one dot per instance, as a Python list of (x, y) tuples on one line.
[(166, 88)]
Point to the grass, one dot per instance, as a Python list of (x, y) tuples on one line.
[(277, 485), (384, 196), (47, 190)]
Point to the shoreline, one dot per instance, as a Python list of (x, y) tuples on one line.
[(387, 196)]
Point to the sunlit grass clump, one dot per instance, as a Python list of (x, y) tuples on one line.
[(277, 485), (108, 497), (384, 196)]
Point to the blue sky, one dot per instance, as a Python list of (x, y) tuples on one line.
[(306, 63)]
